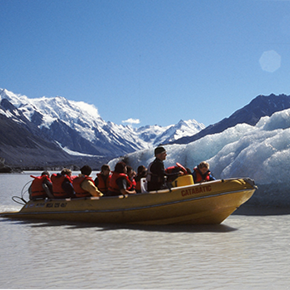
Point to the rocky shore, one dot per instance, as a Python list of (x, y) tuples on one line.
[(3, 167), (74, 165)]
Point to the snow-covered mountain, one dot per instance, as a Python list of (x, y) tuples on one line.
[(155, 135), (78, 129)]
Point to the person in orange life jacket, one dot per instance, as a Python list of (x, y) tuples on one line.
[(62, 184), (41, 187), (202, 173), (120, 183), (156, 172), (84, 185), (131, 175), (103, 178), (141, 173)]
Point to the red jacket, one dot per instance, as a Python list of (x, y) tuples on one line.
[(173, 172), (133, 184), (57, 181), (102, 184), (199, 177), (113, 186), (77, 186), (175, 169), (37, 191)]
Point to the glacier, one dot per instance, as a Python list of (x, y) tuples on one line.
[(261, 152)]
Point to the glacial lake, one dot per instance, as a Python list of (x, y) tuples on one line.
[(249, 250)]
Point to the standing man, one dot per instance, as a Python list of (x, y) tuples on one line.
[(156, 171)]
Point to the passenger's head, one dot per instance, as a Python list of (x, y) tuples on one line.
[(160, 153), (203, 167), (130, 171), (45, 173), (66, 171), (105, 169), (86, 170), (121, 167), (141, 170)]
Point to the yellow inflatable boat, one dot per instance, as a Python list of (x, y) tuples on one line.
[(184, 203)]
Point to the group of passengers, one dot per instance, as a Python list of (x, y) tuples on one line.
[(123, 180)]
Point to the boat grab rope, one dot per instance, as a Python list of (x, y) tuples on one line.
[(23, 191)]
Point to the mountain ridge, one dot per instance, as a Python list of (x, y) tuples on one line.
[(57, 131), (76, 127)]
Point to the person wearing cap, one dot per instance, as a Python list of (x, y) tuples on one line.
[(156, 172)]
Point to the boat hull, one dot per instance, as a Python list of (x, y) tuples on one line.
[(203, 203)]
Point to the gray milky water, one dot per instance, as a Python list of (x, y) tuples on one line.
[(244, 252)]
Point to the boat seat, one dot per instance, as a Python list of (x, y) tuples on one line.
[(143, 183)]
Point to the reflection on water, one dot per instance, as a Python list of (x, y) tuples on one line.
[(110, 227), (245, 251)]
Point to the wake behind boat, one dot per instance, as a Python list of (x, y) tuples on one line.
[(186, 203)]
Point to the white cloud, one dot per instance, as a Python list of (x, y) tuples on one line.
[(131, 121)]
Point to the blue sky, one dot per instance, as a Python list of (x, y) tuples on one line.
[(153, 61)]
